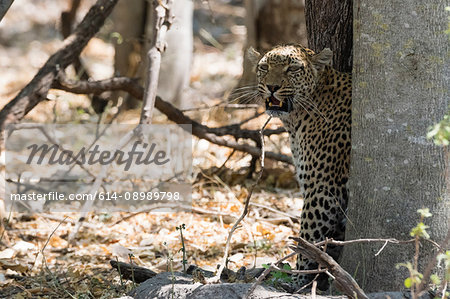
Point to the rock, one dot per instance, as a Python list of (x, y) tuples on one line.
[(181, 287)]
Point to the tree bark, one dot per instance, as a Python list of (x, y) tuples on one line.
[(330, 25), (400, 89)]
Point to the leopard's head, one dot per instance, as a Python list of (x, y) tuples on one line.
[(287, 76)]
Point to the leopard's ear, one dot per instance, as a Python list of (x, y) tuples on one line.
[(253, 56), (322, 59)]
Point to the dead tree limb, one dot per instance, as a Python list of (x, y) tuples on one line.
[(132, 272), (37, 89), (344, 281), (162, 19), (131, 86)]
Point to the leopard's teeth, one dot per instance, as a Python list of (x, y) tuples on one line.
[(270, 104), (281, 104)]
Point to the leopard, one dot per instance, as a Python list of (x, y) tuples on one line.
[(313, 101)]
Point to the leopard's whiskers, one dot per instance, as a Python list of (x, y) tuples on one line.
[(315, 109)]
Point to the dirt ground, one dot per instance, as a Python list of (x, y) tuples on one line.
[(36, 259)]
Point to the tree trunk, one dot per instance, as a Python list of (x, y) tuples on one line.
[(330, 25), (176, 60), (270, 23), (132, 20), (400, 89)]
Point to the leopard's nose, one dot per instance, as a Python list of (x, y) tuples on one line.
[(273, 88)]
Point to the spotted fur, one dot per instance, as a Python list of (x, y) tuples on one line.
[(314, 103)]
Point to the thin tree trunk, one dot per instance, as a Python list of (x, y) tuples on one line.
[(400, 89), (330, 25)]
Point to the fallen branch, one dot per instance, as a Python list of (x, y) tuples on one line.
[(344, 281), (211, 134), (37, 89), (132, 272)]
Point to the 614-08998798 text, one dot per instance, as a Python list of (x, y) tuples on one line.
[(150, 196)]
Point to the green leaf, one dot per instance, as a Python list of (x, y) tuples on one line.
[(435, 279), (408, 282), (440, 132), (287, 267), (424, 212), (420, 231), (265, 266)]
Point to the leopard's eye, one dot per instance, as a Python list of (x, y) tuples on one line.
[(294, 68), (263, 67)]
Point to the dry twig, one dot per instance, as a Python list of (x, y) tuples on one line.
[(216, 278)]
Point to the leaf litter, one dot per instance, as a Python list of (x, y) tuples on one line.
[(81, 269)]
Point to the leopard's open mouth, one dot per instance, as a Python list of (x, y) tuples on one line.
[(274, 104)]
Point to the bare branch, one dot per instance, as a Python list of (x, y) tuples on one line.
[(161, 19), (344, 281), (390, 240), (37, 89), (342, 243), (172, 113)]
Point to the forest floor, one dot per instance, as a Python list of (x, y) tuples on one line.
[(36, 259)]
